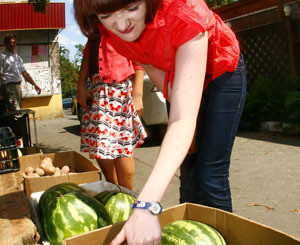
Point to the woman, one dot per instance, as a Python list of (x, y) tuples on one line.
[(111, 127), (185, 49)]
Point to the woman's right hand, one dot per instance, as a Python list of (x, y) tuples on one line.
[(83, 96), (142, 228)]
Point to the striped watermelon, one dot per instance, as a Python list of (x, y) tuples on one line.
[(71, 213), (117, 204), (190, 232), (56, 191)]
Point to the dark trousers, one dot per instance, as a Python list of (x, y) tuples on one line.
[(12, 94), (204, 175)]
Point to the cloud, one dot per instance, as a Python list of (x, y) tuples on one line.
[(74, 28), (71, 35), (64, 40)]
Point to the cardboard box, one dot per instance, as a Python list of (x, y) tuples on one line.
[(85, 170), (29, 150), (93, 188), (235, 229)]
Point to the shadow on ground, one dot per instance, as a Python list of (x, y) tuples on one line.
[(277, 138), (75, 129), (46, 149)]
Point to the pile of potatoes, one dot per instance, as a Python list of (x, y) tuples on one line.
[(46, 168)]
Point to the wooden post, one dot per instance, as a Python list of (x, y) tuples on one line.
[(288, 27)]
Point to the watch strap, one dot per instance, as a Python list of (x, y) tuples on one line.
[(141, 205), (154, 207)]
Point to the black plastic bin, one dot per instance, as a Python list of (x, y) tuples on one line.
[(9, 159)]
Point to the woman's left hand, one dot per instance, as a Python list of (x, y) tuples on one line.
[(142, 228), (137, 101)]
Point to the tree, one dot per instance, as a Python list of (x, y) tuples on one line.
[(78, 55), (39, 5), (69, 73), (219, 3)]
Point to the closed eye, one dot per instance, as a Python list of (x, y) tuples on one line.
[(133, 8), (103, 17)]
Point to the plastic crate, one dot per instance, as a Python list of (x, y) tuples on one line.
[(9, 159)]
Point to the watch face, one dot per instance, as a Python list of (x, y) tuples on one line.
[(155, 208)]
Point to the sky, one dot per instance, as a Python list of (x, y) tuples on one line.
[(71, 35)]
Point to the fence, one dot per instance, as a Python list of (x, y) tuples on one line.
[(269, 43)]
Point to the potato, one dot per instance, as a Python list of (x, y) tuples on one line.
[(36, 175), (29, 170), (40, 171), (49, 170), (43, 165), (57, 173), (65, 170), (47, 160)]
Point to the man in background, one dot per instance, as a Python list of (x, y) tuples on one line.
[(11, 71)]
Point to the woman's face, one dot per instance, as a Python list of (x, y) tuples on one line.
[(127, 23)]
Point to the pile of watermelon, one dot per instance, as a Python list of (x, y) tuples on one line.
[(68, 210)]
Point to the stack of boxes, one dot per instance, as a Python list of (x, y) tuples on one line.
[(9, 160)]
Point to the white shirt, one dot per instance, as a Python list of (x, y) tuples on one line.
[(11, 67)]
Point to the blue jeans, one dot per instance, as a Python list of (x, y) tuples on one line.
[(204, 175)]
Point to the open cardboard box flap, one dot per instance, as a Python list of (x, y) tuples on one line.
[(235, 229)]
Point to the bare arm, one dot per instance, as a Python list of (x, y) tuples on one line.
[(29, 79), (137, 91), (83, 94), (185, 102)]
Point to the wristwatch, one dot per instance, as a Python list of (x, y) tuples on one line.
[(154, 207)]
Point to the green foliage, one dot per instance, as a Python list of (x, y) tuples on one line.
[(272, 101), (39, 5), (219, 3), (69, 74), (78, 55), (292, 102)]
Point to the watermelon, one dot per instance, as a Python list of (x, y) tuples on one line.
[(71, 212), (117, 204), (190, 232), (56, 191)]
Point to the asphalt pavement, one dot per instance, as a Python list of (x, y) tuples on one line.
[(264, 174)]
